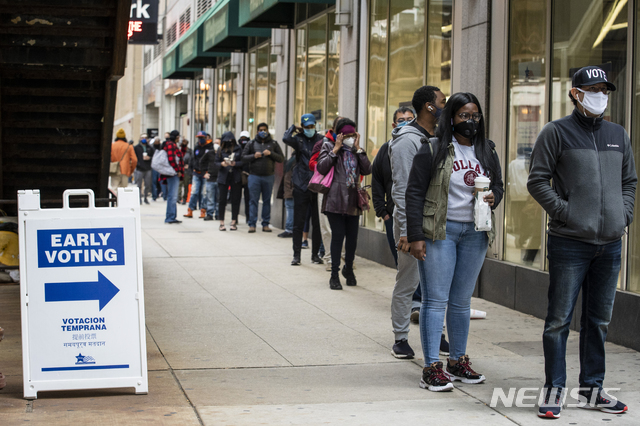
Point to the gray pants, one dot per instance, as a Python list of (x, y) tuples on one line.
[(145, 177), (407, 280)]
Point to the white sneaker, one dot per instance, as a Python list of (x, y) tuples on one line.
[(476, 314)]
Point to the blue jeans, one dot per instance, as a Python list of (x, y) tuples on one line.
[(288, 204), (198, 183), (155, 186), (212, 196), (448, 277), (260, 185), (172, 197), (574, 265)]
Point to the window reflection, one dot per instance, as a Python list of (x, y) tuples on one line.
[(226, 105), (523, 236)]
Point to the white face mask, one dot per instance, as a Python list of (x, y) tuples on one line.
[(595, 103), (348, 142), (216, 147)]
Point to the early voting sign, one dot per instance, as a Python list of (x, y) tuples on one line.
[(82, 297)]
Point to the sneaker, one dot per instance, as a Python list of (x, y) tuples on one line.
[(266, 229), (173, 222), (552, 405), (603, 402), (208, 217), (285, 234), (295, 261), (349, 275), (434, 379), (252, 229), (317, 260), (334, 283), (415, 316), (444, 346), (461, 371), (402, 350), (305, 244)]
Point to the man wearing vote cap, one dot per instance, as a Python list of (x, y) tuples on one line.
[(590, 203)]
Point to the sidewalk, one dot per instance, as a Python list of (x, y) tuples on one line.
[(237, 336)]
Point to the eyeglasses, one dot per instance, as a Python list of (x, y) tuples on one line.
[(465, 116), (593, 89)]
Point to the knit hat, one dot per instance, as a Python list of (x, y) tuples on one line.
[(120, 134), (174, 134)]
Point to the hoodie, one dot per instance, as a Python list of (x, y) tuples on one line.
[(403, 147)]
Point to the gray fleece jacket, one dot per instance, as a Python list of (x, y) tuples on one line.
[(591, 164), (405, 143)]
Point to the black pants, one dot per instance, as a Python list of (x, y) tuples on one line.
[(343, 226), (236, 196), (304, 201), (247, 198)]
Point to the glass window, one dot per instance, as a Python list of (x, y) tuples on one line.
[(589, 33), (400, 62), (251, 101), (317, 69), (301, 70), (227, 93), (333, 70), (633, 274), (273, 64), (524, 216), (201, 106), (262, 85)]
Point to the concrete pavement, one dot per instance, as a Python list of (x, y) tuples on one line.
[(237, 336)]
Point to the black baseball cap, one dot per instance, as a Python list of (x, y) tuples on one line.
[(590, 75)]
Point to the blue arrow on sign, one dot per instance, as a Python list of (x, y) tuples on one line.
[(102, 290)]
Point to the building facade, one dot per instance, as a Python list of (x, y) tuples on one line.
[(227, 65)]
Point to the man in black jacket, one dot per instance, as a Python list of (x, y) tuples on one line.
[(590, 204), (143, 169), (261, 153), (302, 139), (197, 178), (382, 182)]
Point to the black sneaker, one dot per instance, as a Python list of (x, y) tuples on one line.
[(415, 316), (349, 275), (146, 201), (603, 402), (285, 234), (208, 217), (434, 379), (444, 346), (175, 221), (402, 350), (334, 283), (317, 260), (552, 405), (461, 371), (295, 261)]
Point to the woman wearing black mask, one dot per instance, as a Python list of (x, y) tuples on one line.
[(229, 162), (441, 230)]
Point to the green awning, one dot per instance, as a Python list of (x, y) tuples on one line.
[(221, 32), (171, 68), (191, 52), (271, 13)]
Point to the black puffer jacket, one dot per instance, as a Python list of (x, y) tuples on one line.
[(265, 165)]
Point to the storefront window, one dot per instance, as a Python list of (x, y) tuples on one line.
[(226, 105), (262, 84), (201, 106), (524, 216), (317, 70), (633, 274), (589, 33), (405, 53)]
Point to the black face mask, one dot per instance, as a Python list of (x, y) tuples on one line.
[(468, 128)]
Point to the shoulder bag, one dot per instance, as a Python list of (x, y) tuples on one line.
[(114, 166), (160, 163)]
